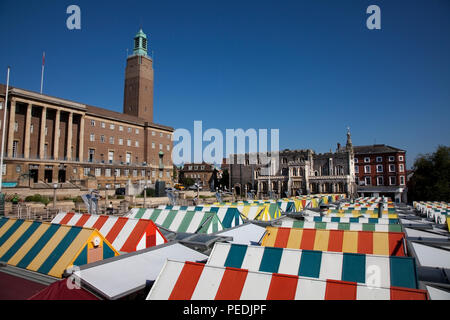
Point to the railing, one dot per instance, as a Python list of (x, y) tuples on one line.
[(87, 161)]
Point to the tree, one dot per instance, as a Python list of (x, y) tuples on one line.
[(187, 181), (431, 178)]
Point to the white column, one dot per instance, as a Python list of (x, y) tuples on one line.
[(42, 133), (26, 148), (56, 135), (69, 137), (81, 144), (12, 121)]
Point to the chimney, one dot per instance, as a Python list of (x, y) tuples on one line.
[(338, 146)]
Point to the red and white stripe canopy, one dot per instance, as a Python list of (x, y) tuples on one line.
[(125, 234), (196, 281)]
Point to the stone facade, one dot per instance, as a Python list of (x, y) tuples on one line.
[(296, 172)]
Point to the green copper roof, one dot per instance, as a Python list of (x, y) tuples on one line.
[(140, 44), (141, 34)]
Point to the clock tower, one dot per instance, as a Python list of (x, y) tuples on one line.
[(138, 91)]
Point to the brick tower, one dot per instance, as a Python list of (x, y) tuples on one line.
[(138, 91)]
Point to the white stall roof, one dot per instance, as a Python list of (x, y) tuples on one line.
[(438, 294), (429, 256), (406, 221), (413, 233), (244, 233), (125, 274)]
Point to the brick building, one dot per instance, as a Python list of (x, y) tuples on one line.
[(381, 171), (201, 173), (50, 139)]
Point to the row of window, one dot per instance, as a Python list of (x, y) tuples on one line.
[(125, 172), (112, 126), (380, 180), (196, 167), (379, 168), (195, 176), (120, 142), (380, 159)]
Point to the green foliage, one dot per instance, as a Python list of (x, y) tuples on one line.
[(431, 179), (187, 182), (38, 198), (150, 192), (120, 197), (77, 199)]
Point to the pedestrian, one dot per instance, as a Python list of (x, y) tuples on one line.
[(110, 208)]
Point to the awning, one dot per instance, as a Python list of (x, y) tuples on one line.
[(129, 273), (352, 220), (294, 223), (125, 234), (50, 248), (196, 281), (60, 291), (353, 267), (366, 242), (182, 221)]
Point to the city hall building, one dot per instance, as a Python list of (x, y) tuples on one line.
[(50, 139)]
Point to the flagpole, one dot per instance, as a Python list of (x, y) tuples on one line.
[(42, 72), (4, 129)]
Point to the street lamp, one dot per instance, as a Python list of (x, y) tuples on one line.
[(145, 194), (55, 186)]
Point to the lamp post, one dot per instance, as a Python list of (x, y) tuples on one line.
[(145, 194), (55, 186)]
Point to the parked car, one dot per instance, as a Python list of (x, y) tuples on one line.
[(179, 186)]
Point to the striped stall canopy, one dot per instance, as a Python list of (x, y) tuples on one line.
[(354, 267), (182, 208), (125, 234), (287, 206), (50, 248), (365, 242), (293, 223), (368, 214), (250, 211), (181, 221), (271, 212), (352, 220), (197, 281), (228, 215)]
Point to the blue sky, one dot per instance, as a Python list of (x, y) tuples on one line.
[(309, 68)]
